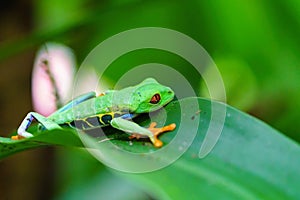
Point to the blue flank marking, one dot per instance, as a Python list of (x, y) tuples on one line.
[(77, 101), (128, 116)]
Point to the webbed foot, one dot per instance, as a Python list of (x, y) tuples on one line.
[(21, 135), (17, 137), (156, 132)]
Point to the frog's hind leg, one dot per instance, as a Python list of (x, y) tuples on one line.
[(22, 130), (46, 123)]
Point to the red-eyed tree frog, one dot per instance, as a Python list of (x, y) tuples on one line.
[(114, 107)]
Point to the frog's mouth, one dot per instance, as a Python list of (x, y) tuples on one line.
[(169, 96)]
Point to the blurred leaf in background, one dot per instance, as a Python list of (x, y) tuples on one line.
[(239, 80)]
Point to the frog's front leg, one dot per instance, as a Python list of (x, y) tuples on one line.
[(22, 130), (135, 130)]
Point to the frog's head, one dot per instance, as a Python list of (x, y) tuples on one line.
[(149, 96)]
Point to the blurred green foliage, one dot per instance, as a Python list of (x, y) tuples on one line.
[(255, 44), (261, 34)]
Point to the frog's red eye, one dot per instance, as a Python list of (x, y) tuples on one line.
[(155, 99)]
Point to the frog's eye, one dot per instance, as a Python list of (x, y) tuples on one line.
[(155, 99)]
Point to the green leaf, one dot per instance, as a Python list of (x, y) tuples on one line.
[(250, 160), (56, 137)]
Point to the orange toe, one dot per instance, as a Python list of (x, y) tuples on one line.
[(17, 137), (170, 127), (158, 143), (152, 125)]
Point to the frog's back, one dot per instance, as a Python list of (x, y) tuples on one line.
[(92, 107)]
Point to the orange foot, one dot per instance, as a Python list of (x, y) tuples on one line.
[(156, 131), (17, 137)]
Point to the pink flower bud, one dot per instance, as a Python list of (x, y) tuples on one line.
[(52, 77)]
